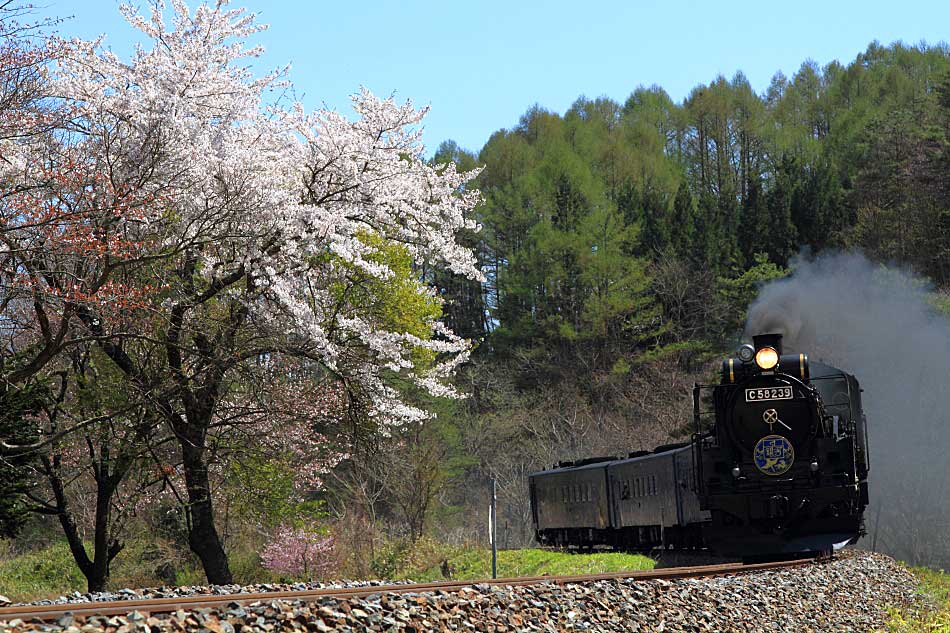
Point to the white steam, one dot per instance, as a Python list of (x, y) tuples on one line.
[(878, 324)]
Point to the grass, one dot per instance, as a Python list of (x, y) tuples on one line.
[(933, 616), (51, 572), (44, 573), (474, 564)]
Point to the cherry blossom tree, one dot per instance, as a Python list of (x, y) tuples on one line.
[(70, 231), (37, 243), (299, 552), (71, 236), (260, 232)]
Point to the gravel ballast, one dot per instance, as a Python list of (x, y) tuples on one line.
[(847, 594)]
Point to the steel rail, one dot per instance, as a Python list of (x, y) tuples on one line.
[(169, 605)]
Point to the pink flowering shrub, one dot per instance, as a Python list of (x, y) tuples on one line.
[(299, 552)]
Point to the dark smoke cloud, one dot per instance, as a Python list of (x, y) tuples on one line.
[(878, 324)]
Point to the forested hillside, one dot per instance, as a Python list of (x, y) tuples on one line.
[(622, 242), (220, 318)]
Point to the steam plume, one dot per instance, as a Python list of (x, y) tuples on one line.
[(878, 324)]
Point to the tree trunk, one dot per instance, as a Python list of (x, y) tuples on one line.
[(98, 573), (202, 534), (96, 570)]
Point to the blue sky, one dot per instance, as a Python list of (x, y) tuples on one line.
[(481, 64)]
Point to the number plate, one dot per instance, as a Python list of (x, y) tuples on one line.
[(768, 393)]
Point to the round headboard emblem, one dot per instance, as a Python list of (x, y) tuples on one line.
[(774, 455)]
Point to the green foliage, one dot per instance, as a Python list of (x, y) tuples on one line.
[(17, 404), (262, 489), (578, 206), (932, 613), (400, 303), (571, 225), (739, 291), (941, 302)]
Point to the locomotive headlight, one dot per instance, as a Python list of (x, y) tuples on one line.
[(766, 358), (745, 353)]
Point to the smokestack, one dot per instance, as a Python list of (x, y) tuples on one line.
[(768, 340)]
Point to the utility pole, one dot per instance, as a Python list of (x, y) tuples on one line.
[(493, 529)]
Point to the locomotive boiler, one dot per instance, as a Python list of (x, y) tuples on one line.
[(778, 463)]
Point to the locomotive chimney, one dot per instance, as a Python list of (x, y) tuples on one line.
[(768, 340)]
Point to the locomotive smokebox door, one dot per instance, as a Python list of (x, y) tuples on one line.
[(771, 406)]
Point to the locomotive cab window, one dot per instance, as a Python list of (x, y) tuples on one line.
[(836, 397)]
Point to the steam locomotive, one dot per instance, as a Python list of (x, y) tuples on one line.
[(777, 464)]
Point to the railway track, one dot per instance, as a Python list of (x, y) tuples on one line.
[(48, 613)]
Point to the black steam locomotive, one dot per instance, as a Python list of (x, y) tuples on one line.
[(782, 468)]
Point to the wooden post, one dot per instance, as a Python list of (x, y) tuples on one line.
[(493, 529)]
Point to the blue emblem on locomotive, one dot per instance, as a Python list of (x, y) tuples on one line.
[(774, 455)]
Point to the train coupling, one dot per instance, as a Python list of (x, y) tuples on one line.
[(778, 507)]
